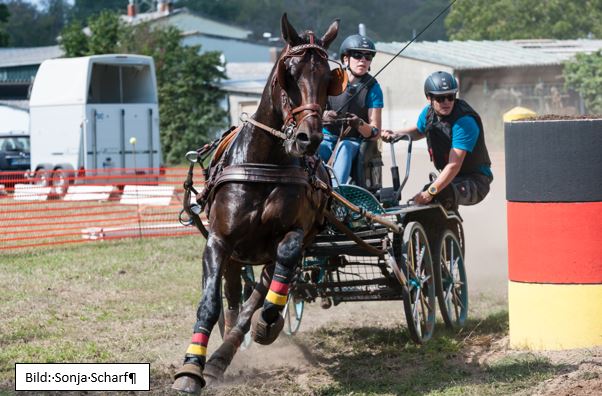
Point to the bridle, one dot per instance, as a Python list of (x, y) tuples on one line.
[(295, 116)]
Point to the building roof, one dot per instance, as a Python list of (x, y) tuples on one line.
[(470, 55), (190, 23), (28, 56), (249, 78)]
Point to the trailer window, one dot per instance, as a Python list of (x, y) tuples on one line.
[(121, 84)]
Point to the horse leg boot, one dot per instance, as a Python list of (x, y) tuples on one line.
[(267, 322), (189, 378), (222, 357)]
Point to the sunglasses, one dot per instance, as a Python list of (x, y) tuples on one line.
[(359, 55), (442, 98)]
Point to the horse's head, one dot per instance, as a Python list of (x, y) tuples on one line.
[(305, 80)]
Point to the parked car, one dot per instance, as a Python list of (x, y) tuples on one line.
[(14, 158)]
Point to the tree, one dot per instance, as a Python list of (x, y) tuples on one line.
[(29, 26), (84, 9), (584, 75), (4, 15), (186, 80), (524, 19)]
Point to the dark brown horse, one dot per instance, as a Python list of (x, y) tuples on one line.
[(263, 206)]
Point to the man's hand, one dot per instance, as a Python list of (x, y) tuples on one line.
[(329, 116), (422, 198), (387, 135), (354, 120)]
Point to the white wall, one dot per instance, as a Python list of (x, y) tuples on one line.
[(13, 119)]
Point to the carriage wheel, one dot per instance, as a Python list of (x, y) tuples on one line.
[(419, 299), (450, 279), (293, 312), (248, 281)]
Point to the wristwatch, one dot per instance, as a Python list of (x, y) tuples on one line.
[(432, 190), (373, 131)]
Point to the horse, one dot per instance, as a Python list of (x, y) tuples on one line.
[(263, 207)]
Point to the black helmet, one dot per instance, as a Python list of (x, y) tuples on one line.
[(440, 83), (356, 42)]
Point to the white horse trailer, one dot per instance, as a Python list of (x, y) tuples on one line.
[(94, 115)]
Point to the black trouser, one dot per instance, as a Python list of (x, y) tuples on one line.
[(464, 190)]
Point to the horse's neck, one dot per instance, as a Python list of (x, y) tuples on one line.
[(257, 146)]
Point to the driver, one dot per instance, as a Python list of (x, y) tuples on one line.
[(363, 113), (456, 143)]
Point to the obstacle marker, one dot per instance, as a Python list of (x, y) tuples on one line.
[(554, 193), (88, 193), (31, 192), (147, 195)]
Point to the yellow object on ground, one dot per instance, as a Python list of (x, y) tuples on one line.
[(554, 316), (518, 113)]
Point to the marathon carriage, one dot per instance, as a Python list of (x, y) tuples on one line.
[(408, 252)]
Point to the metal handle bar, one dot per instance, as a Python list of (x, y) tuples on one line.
[(394, 162)]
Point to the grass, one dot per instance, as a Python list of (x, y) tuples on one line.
[(135, 301)]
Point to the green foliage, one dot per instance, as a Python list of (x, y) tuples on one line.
[(84, 9), (186, 80), (4, 14), (105, 31), (29, 26), (73, 40), (524, 19), (386, 20), (584, 75)]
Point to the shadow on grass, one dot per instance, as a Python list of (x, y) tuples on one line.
[(371, 360)]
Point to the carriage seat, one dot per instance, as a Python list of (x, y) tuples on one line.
[(366, 170)]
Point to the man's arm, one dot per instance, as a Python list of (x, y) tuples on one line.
[(451, 170), (413, 132)]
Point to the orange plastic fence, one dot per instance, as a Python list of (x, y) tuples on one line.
[(98, 205)]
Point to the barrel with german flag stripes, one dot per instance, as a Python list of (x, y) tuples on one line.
[(554, 205)]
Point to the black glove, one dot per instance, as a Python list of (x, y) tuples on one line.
[(354, 121), (329, 116)]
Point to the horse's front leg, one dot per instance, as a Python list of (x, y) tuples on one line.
[(267, 322), (222, 357), (189, 378)]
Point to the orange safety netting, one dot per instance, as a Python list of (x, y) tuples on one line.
[(96, 205)]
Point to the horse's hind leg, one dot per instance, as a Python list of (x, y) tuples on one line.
[(222, 357), (268, 322), (189, 378), (232, 292)]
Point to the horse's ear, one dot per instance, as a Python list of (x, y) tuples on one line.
[(289, 34), (331, 33)]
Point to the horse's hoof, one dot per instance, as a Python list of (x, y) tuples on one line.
[(189, 379), (262, 332), (213, 374)]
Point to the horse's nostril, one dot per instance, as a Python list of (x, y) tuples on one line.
[(303, 137)]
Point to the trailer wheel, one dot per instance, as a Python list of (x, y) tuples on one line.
[(419, 298), (450, 278), (60, 182), (41, 177)]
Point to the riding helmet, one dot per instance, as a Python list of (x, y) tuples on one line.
[(356, 42), (440, 83)]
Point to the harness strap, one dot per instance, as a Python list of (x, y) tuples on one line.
[(266, 128)]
